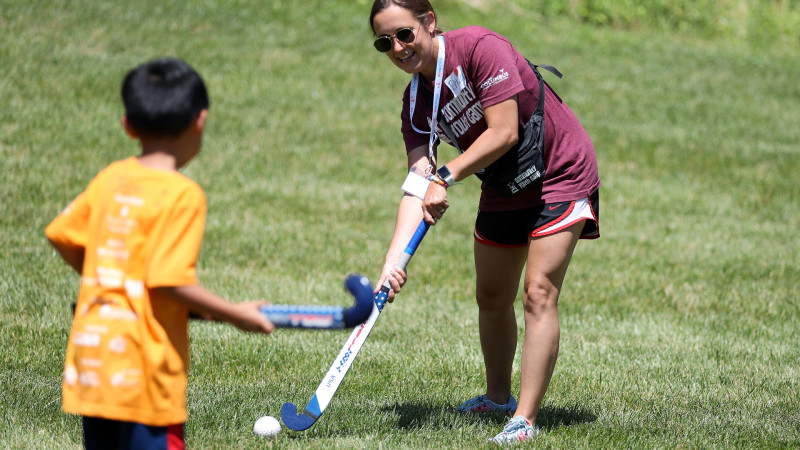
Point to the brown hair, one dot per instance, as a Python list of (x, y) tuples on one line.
[(419, 8)]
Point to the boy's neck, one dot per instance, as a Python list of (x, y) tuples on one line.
[(159, 160), (166, 153)]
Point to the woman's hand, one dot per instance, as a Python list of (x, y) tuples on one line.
[(397, 278), (435, 203)]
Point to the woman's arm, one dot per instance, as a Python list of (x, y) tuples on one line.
[(501, 134), (502, 120), (409, 214)]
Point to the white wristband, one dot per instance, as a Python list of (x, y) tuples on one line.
[(416, 185)]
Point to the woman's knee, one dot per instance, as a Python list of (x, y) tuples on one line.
[(540, 296), (495, 297)]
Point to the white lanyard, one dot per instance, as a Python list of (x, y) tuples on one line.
[(437, 90)]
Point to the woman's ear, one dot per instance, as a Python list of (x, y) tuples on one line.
[(430, 22)]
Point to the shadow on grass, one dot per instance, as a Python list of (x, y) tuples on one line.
[(551, 417), (421, 415)]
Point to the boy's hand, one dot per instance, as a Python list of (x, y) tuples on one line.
[(249, 317)]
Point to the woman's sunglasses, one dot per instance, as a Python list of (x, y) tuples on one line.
[(384, 43)]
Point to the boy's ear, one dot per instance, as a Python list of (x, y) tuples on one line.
[(200, 121), (128, 130)]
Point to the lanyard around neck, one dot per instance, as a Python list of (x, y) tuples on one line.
[(437, 89)]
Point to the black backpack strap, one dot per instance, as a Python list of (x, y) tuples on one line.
[(539, 111), (550, 69)]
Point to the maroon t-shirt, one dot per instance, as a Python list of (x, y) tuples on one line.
[(482, 69)]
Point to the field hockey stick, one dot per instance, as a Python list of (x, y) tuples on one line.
[(326, 317), (330, 383), (320, 317)]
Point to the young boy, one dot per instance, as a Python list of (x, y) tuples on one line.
[(134, 235)]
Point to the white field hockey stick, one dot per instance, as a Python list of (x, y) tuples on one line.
[(330, 383)]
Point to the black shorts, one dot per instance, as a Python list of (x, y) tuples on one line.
[(514, 228), (106, 433)]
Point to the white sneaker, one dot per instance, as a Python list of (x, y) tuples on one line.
[(481, 404), (518, 429)]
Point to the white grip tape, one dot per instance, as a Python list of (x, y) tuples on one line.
[(416, 185)]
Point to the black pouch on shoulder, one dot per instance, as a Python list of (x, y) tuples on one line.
[(522, 166)]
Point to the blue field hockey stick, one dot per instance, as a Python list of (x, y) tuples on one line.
[(319, 317), (326, 317)]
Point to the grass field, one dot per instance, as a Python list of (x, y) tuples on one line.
[(679, 325)]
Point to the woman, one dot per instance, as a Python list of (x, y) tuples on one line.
[(481, 92)]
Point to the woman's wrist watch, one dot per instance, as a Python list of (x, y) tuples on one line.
[(445, 175)]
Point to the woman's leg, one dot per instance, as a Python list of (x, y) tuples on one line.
[(548, 259), (498, 271)]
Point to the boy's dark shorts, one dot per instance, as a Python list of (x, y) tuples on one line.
[(105, 433), (514, 228)]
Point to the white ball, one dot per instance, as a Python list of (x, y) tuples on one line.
[(267, 426)]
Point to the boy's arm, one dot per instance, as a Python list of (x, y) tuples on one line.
[(68, 232), (246, 316), (72, 255)]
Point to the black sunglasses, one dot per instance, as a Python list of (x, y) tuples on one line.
[(384, 43)]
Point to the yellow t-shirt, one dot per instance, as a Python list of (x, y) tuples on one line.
[(128, 352)]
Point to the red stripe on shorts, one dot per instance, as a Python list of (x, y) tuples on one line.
[(175, 440), (535, 233), (484, 240)]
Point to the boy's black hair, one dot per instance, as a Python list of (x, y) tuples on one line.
[(163, 96)]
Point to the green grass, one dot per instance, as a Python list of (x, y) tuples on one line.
[(678, 325)]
